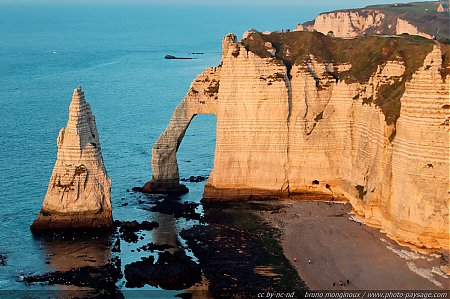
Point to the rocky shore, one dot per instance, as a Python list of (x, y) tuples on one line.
[(101, 280), (246, 248), (240, 254)]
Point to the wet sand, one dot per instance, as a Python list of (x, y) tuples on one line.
[(239, 254), (327, 247)]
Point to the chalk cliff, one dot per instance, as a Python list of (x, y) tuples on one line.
[(420, 18), (361, 120), (200, 99), (79, 191), (346, 23)]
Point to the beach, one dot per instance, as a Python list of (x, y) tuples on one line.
[(327, 248)]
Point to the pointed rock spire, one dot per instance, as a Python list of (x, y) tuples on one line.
[(79, 192)]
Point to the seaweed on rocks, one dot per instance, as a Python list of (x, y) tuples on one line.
[(172, 271), (153, 247), (240, 255), (136, 272), (176, 208), (116, 246), (102, 279), (128, 229)]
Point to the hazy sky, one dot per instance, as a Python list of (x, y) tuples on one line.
[(322, 3)]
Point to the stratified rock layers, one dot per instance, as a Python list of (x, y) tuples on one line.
[(347, 23), (295, 130), (201, 99), (385, 20), (79, 191)]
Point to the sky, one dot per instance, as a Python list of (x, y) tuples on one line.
[(323, 3)]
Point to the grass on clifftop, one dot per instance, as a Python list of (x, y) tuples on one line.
[(422, 15), (365, 54)]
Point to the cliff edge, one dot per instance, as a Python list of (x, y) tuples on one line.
[(416, 18)]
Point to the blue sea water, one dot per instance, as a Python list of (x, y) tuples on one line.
[(116, 53)]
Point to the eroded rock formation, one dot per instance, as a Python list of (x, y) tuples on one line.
[(404, 26), (201, 99), (79, 191), (370, 126), (345, 23), (419, 18)]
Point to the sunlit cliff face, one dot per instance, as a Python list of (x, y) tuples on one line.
[(320, 116)]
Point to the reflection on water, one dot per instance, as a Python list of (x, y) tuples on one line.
[(166, 233), (65, 252)]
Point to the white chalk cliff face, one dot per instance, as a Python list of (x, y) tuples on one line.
[(299, 132), (79, 190), (350, 24), (345, 23), (201, 99), (404, 26)]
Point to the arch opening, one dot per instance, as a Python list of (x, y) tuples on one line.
[(201, 98)]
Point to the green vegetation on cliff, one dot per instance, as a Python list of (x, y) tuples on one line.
[(422, 15), (365, 54)]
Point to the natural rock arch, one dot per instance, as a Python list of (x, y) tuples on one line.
[(201, 99), (278, 131)]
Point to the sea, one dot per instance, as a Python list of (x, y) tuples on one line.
[(116, 53)]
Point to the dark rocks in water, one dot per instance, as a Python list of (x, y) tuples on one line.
[(2, 260), (238, 249), (172, 271), (137, 189), (178, 209), (101, 278), (130, 237), (197, 53), (136, 226), (154, 199), (82, 236), (184, 295), (157, 187), (82, 222), (194, 179), (116, 246), (174, 57), (128, 229), (152, 247), (136, 272), (172, 198)]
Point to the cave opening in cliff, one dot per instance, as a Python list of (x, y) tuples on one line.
[(195, 155)]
